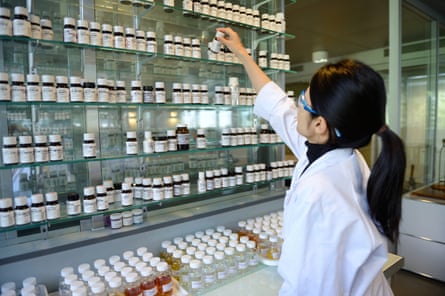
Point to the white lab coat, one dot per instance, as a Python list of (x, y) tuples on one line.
[(331, 246)]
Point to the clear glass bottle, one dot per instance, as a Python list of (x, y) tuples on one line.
[(241, 258), (220, 266), (132, 285), (164, 279), (175, 263), (64, 288), (195, 276), (208, 271), (232, 265), (102, 198), (115, 287), (148, 282)]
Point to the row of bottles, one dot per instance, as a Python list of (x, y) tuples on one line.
[(195, 263), (30, 287)]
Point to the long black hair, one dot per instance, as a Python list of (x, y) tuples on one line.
[(351, 96)]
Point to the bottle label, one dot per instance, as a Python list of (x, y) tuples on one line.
[(209, 278), (131, 147), (38, 214), (127, 199), (53, 211), (5, 91), (167, 287), (55, 153), (10, 155), (221, 274), (89, 206), (151, 292), (26, 155), (183, 139), (107, 40), (160, 96), (47, 34), (21, 27), (95, 38), (196, 284), (7, 219), (5, 27), (102, 202), (90, 95), (18, 93), (22, 217), (89, 149), (69, 35), (151, 46), (63, 95), (119, 42), (41, 154), (168, 192), (33, 93), (147, 193), (73, 207), (136, 96), (76, 94), (158, 193), (185, 188), (48, 93)]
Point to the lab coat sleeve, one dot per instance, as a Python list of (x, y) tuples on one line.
[(325, 245), (280, 111)]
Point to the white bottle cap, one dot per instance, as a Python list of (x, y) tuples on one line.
[(4, 76), (51, 196), (129, 31), (89, 137), (94, 26), (88, 191), (19, 77), (19, 10), (32, 78), (69, 21)]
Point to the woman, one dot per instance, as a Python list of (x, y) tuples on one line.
[(338, 214)]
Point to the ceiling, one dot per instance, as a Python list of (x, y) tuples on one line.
[(343, 27)]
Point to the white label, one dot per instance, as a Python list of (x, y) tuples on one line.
[(147, 193), (131, 147), (130, 42), (38, 214), (121, 96), (140, 44), (209, 278), (41, 154), (102, 202), (7, 219), (55, 153), (69, 35), (76, 94), (160, 96), (169, 49), (5, 92), (167, 287), (89, 205), (196, 284), (110, 196), (83, 36), (73, 207), (119, 42), (221, 274), (5, 27), (96, 38), (18, 93), (168, 191), (48, 93), (22, 216), (63, 95), (158, 193), (185, 188), (136, 96), (183, 139), (53, 211), (47, 34), (89, 149), (10, 155), (151, 292), (127, 198), (21, 27), (201, 143), (107, 40), (90, 94), (33, 93), (26, 155)]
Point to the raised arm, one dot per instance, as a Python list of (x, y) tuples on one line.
[(231, 39)]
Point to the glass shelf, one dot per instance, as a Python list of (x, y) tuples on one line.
[(145, 205), (140, 155)]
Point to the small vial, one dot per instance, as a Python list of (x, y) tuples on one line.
[(136, 91), (55, 149), (187, 43), (18, 89), (102, 198), (177, 96), (160, 144), (164, 279), (219, 95), (48, 88), (107, 35), (148, 144), (158, 189), (89, 200), (103, 90), (168, 45), (26, 150), (172, 141), (141, 43), (73, 205), (21, 211), (177, 185), (38, 211), (36, 29), (5, 22), (41, 150), (168, 187), (21, 26), (183, 136), (95, 34), (47, 29), (83, 33), (215, 45), (178, 46), (7, 217), (148, 282), (76, 89), (196, 94), (33, 90), (202, 184), (116, 222), (185, 183), (127, 197), (196, 48), (131, 144), (110, 190), (10, 152), (201, 142), (62, 89), (210, 184), (204, 94), (187, 96), (130, 39), (137, 188), (239, 175), (148, 94), (160, 92), (69, 30), (89, 145), (5, 89), (195, 277), (151, 42), (121, 92), (52, 206), (89, 92), (147, 192), (118, 36)]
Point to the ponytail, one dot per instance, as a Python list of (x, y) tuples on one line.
[(385, 184)]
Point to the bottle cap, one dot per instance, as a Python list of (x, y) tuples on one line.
[(195, 264), (69, 21), (136, 83), (151, 34), (89, 137), (129, 31), (40, 139), (131, 134), (9, 141), (106, 27), (88, 191), (51, 196), (118, 29), (32, 78), (82, 24), (17, 77), (5, 12)]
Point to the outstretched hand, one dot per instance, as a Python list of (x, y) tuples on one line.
[(232, 40)]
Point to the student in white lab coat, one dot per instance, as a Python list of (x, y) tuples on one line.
[(338, 214)]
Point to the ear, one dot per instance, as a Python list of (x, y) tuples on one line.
[(321, 129)]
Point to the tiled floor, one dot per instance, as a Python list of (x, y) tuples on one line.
[(405, 283)]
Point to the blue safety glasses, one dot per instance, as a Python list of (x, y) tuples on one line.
[(305, 105), (302, 101)]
